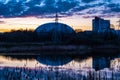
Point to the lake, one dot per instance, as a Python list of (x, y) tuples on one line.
[(59, 67)]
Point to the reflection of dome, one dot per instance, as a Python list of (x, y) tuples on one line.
[(55, 60), (55, 31)]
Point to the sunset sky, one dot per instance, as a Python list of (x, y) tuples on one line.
[(29, 14)]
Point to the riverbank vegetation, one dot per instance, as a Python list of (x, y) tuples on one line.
[(80, 38)]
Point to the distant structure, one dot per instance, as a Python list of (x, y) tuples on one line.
[(100, 25), (56, 17), (56, 36), (55, 32)]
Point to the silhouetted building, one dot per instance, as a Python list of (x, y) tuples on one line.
[(100, 25), (55, 32)]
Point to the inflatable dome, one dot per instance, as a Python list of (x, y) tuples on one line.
[(55, 31)]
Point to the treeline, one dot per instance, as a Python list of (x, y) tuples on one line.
[(85, 38), (30, 36), (18, 36), (93, 38)]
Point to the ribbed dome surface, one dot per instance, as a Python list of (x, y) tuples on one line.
[(50, 30), (60, 27)]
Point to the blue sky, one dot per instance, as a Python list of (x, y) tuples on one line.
[(46, 8), (65, 8)]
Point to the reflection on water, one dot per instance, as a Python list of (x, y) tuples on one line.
[(24, 67), (54, 60), (61, 61), (13, 62), (36, 61)]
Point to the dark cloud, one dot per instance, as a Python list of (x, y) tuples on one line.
[(115, 7), (100, 15), (34, 8), (87, 1), (47, 8)]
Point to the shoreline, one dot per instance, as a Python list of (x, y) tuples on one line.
[(39, 48)]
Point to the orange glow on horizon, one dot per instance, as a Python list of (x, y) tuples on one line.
[(76, 22)]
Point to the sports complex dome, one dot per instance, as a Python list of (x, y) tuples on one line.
[(55, 31)]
